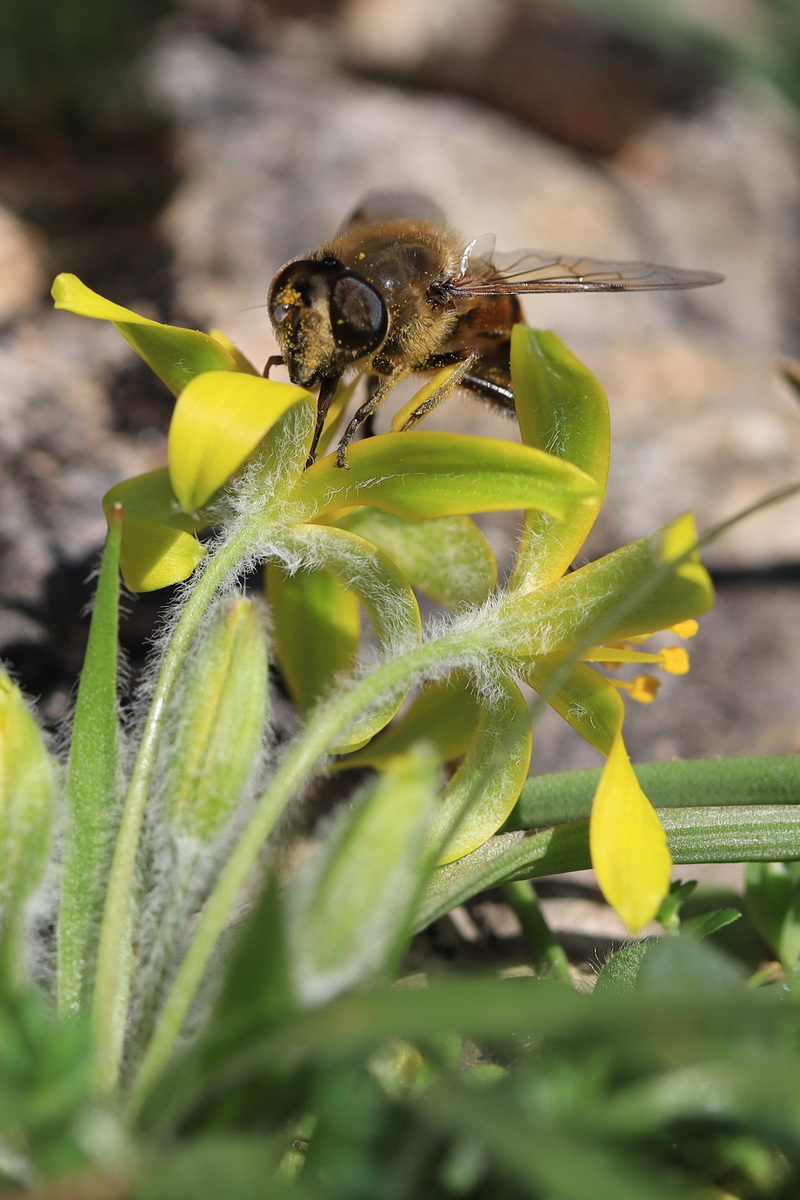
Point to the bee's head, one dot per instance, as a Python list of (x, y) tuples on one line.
[(325, 318)]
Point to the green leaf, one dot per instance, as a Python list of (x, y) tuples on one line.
[(773, 897), (448, 558), (350, 909), (316, 628), (423, 475), (176, 355), (157, 548), (760, 780), (694, 835), (219, 420), (704, 924), (92, 788), (685, 967), (621, 971), (562, 409)]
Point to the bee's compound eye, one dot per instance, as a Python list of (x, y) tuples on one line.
[(359, 318)]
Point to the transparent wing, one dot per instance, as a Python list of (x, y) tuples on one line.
[(526, 271), (392, 206)]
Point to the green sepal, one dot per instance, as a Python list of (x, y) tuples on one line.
[(158, 547), (316, 626), (386, 597), (646, 586), (176, 355), (422, 475), (447, 558), (445, 714), (562, 409), (483, 791), (582, 696)]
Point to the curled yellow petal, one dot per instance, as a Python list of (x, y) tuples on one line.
[(219, 419), (628, 844)]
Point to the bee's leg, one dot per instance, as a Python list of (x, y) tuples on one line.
[(326, 393), (365, 412), (454, 380), (274, 360), (368, 428), (497, 394)]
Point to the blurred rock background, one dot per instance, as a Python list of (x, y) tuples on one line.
[(174, 155)]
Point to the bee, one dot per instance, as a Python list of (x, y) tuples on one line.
[(397, 292)]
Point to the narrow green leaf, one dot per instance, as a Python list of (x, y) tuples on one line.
[(562, 409), (176, 355), (421, 475), (716, 782), (448, 558), (92, 788), (694, 835), (316, 627)]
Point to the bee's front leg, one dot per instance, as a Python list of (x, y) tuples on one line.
[(366, 410), (274, 360)]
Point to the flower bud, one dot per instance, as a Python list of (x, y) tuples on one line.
[(27, 792), (219, 719)]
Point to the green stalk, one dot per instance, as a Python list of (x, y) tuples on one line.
[(114, 961), (297, 763), (547, 951)]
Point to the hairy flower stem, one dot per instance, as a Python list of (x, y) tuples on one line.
[(114, 957), (298, 761)]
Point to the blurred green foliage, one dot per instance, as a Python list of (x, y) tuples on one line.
[(68, 65)]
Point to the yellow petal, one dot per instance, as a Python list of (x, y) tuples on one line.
[(219, 419), (628, 844)]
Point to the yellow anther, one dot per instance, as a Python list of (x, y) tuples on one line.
[(644, 688), (674, 660), (685, 629)]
